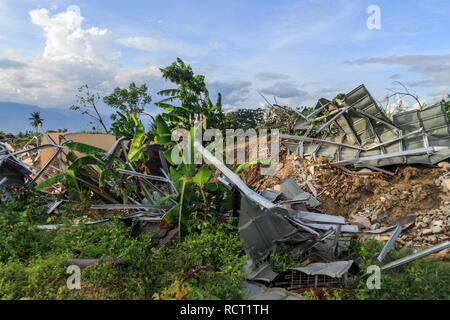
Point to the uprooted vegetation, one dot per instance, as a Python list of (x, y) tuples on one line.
[(143, 226)]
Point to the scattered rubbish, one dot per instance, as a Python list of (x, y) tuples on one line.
[(254, 291), (292, 191), (53, 206), (271, 218), (404, 222), (332, 274), (360, 221), (263, 274)]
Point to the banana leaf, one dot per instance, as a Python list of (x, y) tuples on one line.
[(50, 181)]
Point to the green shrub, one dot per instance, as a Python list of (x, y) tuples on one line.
[(423, 279), (207, 264)]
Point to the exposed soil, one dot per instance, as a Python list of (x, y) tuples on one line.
[(380, 197), (410, 190)]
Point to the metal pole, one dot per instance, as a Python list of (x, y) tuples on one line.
[(439, 247), (390, 243)]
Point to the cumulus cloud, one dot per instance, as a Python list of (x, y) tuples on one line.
[(67, 41), (72, 56), (440, 93), (233, 92), (284, 90), (397, 102)]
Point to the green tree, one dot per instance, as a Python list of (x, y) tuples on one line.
[(36, 120), (192, 97), (87, 104), (245, 119), (446, 105), (127, 102)]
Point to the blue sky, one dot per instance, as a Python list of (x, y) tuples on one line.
[(298, 51)]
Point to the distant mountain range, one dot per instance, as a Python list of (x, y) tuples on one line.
[(14, 118)]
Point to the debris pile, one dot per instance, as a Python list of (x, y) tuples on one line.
[(275, 217), (411, 203), (354, 130), (314, 202), (26, 168)]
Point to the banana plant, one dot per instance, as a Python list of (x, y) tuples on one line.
[(95, 160), (192, 97), (135, 155), (124, 125), (195, 185)]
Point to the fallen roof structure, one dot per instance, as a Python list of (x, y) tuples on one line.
[(263, 223), (15, 171), (355, 130)]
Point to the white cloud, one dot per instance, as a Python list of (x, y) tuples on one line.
[(440, 93), (67, 41), (72, 56), (401, 103), (230, 108), (268, 76), (6, 63), (7, 51), (235, 93), (435, 67)]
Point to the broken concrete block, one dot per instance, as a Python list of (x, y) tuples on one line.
[(446, 184), (375, 226), (444, 164), (360, 221), (426, 220), (436, 229), (438, 223), (365, 170)]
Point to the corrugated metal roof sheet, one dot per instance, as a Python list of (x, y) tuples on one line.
[(365, 124)]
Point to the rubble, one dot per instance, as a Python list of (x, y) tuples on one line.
[(315, 275), (314, 202), (265, 221), (27, 168), (360, 133)]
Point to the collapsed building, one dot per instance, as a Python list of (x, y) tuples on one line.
[(350, 131), (358, 132)]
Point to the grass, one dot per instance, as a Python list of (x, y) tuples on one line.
[(207, 264), (19, 142), (422, 279)]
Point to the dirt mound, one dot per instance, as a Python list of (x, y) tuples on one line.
[(380, 197)]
